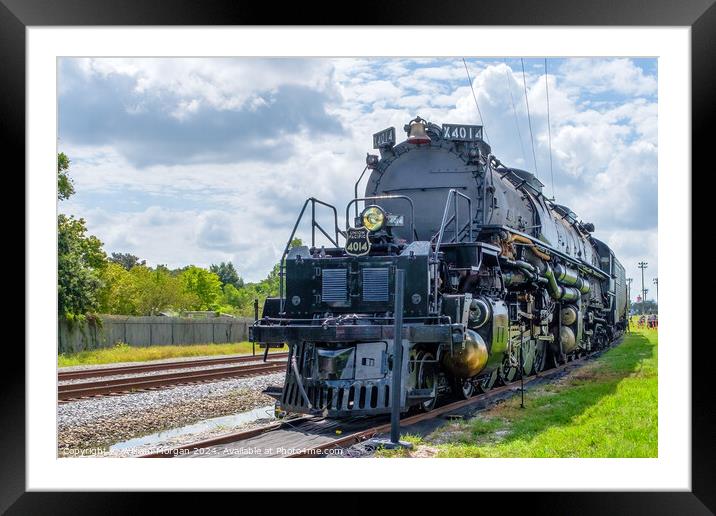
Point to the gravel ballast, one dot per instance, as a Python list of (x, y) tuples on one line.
[(103, 421)]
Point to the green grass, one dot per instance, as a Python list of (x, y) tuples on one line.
[(125, 353), (607, 408), (415, 440)]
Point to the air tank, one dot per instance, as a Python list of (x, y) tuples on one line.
[(566, 275), (479, 313), (567, 338), (569, 315)]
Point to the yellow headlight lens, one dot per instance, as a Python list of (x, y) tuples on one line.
[(373, 218)]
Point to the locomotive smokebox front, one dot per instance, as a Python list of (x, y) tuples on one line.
[(426, 172)]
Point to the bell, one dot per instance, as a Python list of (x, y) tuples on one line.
[(416, 132)]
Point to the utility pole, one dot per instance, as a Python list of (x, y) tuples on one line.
[(642, 266), (656, 284), (396, 386), (628, 281), (396, 391)]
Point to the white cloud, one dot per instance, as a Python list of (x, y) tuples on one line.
[(604, 150), (616, 75), (221, 83)]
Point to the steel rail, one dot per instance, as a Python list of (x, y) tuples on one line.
[(356, 437), (224, 439), (367, 433), (142, 368), (103, 387)]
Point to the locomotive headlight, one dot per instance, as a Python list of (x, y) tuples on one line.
[(373, 218)]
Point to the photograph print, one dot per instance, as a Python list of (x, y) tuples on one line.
[(357, 257)]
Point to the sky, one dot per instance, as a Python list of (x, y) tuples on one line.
[(201, 160)]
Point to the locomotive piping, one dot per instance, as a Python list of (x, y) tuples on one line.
[(533, 247), (297, 375), (527, 268), (562, 292), (554, 289)]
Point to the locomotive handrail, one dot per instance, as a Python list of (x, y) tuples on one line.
[(268, 321), (468, 225), (456, 217), (314, 225), (383, 197), (355, 188), (454, 193)]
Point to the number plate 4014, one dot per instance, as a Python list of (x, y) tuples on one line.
[(357, 242)]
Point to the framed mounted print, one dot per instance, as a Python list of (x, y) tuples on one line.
[(244, 218)]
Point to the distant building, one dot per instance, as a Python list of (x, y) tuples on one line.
[(205, 314)]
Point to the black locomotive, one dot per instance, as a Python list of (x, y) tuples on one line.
[(500, 280)]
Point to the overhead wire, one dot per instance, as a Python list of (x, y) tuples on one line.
[(549, 127), (529, 118), (482, 120), (514, 111)]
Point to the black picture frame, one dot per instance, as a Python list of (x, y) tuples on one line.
[(700, 15)]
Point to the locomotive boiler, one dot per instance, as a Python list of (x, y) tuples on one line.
[(499, 281)]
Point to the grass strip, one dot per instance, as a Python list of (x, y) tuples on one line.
[(607, 408), (125, 353)]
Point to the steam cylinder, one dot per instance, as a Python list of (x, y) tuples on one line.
[(469, 360)]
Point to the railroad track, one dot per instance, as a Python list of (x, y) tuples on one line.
[(74, 391), (311, 436), (144, 368)]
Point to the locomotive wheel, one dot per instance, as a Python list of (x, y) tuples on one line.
[(602, 342), (427, 378), (528, 358), (540, 360), (507, 374), (555, 360), (465, 388), (486, 383)]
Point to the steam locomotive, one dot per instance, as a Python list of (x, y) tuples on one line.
[(499, 281)]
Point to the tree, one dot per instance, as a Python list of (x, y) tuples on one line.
[(204, 285), (159, 290), (142, 291), (65, 187), (79, 257), (646, 307), (227, 274), (232, 296), (118, 294), (126, 260)]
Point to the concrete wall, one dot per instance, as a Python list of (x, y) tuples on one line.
[(151, 331)]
